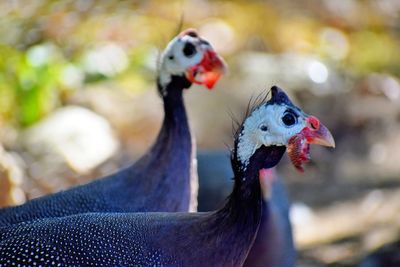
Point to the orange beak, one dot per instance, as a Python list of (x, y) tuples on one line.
[(299, 145), (208, 71)]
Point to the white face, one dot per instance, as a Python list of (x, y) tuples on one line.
[(268, 125), (181, 53)]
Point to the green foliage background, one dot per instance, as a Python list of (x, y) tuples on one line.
[(68, 30)]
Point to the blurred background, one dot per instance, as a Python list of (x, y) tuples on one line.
[(78, 100)]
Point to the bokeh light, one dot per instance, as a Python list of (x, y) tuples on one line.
[(338, 59)]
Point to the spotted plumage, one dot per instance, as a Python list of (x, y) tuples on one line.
[(219, 238), (165, 178)]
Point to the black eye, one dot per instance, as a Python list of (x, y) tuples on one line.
[(289, 119), (171, 57), (264, 128), (189, 50)]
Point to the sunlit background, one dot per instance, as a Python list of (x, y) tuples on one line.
[(78, 100)]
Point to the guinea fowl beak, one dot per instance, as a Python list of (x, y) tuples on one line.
[(208, 71), (318, 133), (299, 145)]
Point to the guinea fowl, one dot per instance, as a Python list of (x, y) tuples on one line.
[(219, 238), (162, 179), (273, 246)]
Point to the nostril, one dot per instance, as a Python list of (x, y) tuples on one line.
[(314, 122), (314, 126)]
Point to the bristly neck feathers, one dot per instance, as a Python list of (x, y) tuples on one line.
[(171, 94), (247, 189), (175, 125), (241, 215), (168, 162), (161, 179)]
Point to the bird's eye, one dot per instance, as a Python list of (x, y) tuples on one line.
[(171, 57), (264, 128), (189, 50), (289, 119)]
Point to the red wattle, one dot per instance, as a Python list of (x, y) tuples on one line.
[(299, 150)]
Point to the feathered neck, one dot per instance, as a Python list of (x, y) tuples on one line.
[(168, 162), (247, 191), (175, 125), (171, 94), (238, 221)]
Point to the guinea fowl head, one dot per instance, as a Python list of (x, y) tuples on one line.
[(192, 58), (278, 123)]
